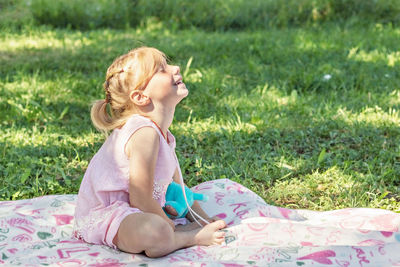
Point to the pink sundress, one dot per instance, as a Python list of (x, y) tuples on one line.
[(103, 198)]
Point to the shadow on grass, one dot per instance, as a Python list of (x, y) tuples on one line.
[(262, 156), (297, 139), (278, 69)]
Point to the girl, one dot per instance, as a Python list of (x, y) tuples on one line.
[(122, 193)]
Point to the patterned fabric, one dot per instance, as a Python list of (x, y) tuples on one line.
[(103, 199), (37, 232)]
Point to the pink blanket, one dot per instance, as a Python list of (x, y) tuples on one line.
[(37, 232)]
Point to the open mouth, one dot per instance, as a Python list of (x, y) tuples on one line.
[(178, 82)]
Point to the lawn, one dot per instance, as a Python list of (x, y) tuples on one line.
[(305, 116)]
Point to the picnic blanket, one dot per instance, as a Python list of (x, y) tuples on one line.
[(37, 232)]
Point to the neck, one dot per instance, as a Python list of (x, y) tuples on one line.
[(162, 116)]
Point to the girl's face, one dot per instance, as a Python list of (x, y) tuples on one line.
[(166, 86)]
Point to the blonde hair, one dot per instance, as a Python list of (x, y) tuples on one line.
[(127, 73)]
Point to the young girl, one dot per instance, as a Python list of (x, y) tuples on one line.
[(122, 193)]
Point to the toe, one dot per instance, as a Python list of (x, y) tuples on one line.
[(220, 234), (220, 224)]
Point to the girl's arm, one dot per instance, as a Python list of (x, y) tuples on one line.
[(196, 206), (142, 151)]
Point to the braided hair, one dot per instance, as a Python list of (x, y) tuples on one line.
[(129, 72)]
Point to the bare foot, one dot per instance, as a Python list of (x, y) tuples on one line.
[(210, 234)]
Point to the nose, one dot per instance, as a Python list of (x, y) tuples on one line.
[(177, 70)]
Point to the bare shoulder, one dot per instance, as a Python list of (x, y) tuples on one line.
[(145, 139)]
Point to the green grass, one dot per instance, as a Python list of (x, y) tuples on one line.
[(205, 14), (259, 110)]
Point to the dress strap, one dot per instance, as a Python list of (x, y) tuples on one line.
[(159, 128)]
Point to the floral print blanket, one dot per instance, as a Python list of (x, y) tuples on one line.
[(37, 232)]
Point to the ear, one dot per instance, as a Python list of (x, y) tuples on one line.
[(138, 98)]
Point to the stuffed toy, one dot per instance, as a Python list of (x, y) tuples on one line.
[(175, 198)]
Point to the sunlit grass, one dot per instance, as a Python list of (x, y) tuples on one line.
[(391, 59), (373, 116), (323, 190), (43, 39)]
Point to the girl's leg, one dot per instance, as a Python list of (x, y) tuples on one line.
[(187, 227), (150, 233)]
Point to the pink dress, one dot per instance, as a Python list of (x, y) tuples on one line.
[(103, 198)]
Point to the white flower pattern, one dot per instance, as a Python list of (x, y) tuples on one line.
[(160, 189), (88, 223)]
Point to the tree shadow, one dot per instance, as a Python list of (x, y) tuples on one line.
[(262, 64)]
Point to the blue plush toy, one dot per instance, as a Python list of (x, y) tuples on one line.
[(175, 198)]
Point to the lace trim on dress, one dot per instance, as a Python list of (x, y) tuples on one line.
[(160, 189)]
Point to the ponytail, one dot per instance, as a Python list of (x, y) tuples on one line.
[(100, 117)]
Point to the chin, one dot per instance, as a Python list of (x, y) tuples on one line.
[(183, 96), (185, 93)]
